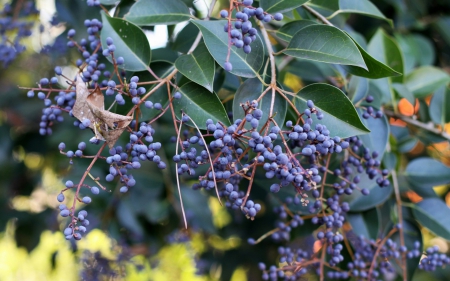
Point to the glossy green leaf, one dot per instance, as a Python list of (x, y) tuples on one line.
[(198, 67), (383, 48), (200, 105), (433, 214), (251, 90), (425, 80), (359, 202), (363, 7), (216, 40), (440, 106), (287, 31), (427, 171), (164, 54), (340, 115), (358, 88), (378, 137), (130, 41), (403, 92), (325, 44), (365, 223), (153, 12), (281, 6), (376, 69), (311, 70)]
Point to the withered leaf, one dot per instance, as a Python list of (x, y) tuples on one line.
[(107, 125)]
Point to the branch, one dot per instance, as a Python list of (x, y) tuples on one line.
[(426, 126), (317, 15)]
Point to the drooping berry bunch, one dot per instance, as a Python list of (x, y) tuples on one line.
[(15, 25), (241, 34)]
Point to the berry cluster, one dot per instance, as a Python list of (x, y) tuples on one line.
[(242, 34), (17, 24)]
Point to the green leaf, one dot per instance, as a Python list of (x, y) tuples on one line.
[(185, 38), (425, 80), (251, 90), (440, 106), (332, 5), (154, 12), (216, 40), (433, 214), (198, 67), (287, 31), (164, 54), (281, 6), (377, 196), (200, 105), (358, 88), (311, 70), (108, 2), (376, 69), (363, 7), (326, 44), (384, 49), (378, 137), (427, 171), (403, 92), (130, 41), (365, 223), (340, 115)]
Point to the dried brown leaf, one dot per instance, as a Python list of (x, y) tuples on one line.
[(107, 125)]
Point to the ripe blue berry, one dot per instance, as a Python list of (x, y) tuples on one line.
[(228, 66), (86, 200), (224, 13), (95, 190), (278, 16), (60, 197)]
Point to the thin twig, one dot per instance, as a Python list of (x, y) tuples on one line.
[(317, 15)]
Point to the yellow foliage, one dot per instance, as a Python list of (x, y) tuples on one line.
[(239, 275), (220, 215)]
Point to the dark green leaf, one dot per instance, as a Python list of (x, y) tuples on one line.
[(153, 12), (216, 40), (281, 6), (287, 31), (427, 171), (433, 214), (130, 41), (425, 80), (326, 44), (198, 66), (384, 49), (200, 105), (365, 223), (358, 88), (403, 92), (332, 5), (376, 68), (440, 106), (340, 115), (251, 90), (378, 137), (164, 54)]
